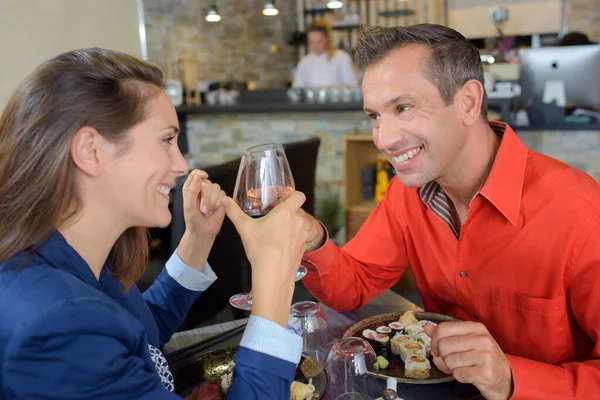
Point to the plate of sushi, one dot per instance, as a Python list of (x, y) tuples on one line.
[(403, 348)]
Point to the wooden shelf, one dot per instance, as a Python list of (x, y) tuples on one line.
[(394, 13), (346, 27), (365, 206), (320, 10)]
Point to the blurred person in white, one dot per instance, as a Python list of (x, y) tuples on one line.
[(325, 65)]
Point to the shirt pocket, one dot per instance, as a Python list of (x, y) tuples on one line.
[(531, 327)]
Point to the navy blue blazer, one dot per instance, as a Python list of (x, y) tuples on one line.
[(66, 335)]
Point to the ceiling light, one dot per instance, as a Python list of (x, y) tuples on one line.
[(270, 9), (212, 15), (335, 4)]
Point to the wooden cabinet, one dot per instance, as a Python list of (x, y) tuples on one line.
[(359, 152)]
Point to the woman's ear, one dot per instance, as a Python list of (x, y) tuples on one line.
[(88, 151)]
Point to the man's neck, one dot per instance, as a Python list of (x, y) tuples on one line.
[(464, 180)]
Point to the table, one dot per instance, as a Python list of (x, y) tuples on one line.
[(387, 301)]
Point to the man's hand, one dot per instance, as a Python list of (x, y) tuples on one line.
[(472, 356), (316, 232)]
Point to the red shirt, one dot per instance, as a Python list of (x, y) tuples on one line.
[(526, 264)]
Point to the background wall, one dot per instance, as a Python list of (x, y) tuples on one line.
[(584, 16), (238, 47), (32, 31)]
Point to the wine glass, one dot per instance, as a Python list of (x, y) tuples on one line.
[(263, 180), (350, 365)]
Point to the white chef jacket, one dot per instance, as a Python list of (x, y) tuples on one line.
[(317, 71)]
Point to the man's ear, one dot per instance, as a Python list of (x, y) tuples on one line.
[(470, 97), (88, 151)]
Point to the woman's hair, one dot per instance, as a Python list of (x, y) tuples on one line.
[(103, 89), (324, 27)]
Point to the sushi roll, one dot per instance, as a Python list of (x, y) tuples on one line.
[(424, 322), (385, 330), (397, 328), (417, 367), (397, 342), (382, 345), (412, 349), (413, 330), (425, 341), (369, 335)]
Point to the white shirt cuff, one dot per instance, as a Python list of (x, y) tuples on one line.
[(267, 337), (188, 277)]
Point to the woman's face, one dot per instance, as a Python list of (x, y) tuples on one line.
[(140, 179), (317, 42)]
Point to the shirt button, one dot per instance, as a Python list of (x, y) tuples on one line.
[(321, 293), (311, 269), (463, 274)]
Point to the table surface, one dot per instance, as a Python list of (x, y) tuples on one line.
[(387, 301)]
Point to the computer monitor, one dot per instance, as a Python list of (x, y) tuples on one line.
[(577, 66)]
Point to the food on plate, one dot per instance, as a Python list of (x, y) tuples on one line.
[(396, 327), (412, 349), (408, 318), (397, 342), (302, 391), (386, 330), (382, 345), (424, 322), (227, 377), (413, 330), (369, 335), (417, 367), (425, 341), (298, 390), (382, 362)]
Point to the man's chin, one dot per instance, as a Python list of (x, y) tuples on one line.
[(411, 181)]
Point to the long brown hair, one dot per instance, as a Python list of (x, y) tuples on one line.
[(324, 27), (104, 89)]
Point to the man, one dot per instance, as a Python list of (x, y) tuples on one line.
[(497, 235)]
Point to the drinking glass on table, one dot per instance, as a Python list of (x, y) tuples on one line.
[(263, 180), (313, 322), (350, 366)]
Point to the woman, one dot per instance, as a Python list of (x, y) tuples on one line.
[(88, 154), (324, 65)]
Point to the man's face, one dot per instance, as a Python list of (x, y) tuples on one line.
[(317, 42), (412, 126)]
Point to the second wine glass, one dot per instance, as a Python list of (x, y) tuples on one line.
[(263, 180)]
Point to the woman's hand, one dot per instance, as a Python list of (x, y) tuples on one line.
[(204, 214), (274, 246), (202, 207)]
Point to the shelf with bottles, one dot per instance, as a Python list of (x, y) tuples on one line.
[(354, 13)]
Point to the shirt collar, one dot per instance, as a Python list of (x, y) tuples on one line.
[(58, 253), (504, 185)]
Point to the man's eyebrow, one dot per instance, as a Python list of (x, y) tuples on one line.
[(395, 100)]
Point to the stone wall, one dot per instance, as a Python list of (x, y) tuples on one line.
[(584, 16), (238, 47)]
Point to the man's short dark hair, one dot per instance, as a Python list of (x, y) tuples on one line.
[(452, 61)]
